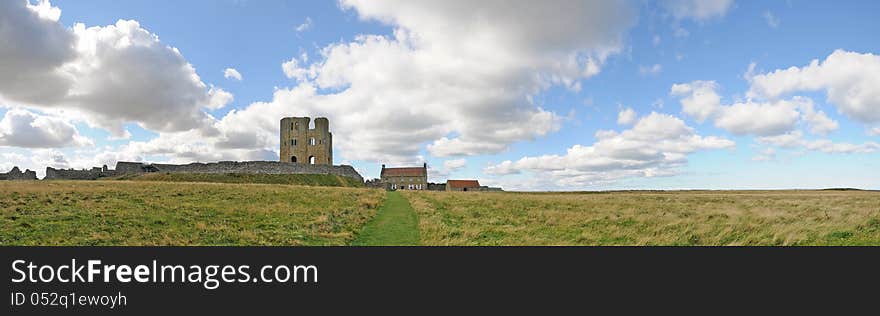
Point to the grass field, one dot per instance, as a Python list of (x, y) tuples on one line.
[(649, 218), (396, 224), (171, 213), (117, 212), (293, 179)]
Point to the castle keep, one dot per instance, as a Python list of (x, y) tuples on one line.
[(302, 144)]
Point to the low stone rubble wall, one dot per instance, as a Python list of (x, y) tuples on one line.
[(17, 174), (258, 167), (83, 174)]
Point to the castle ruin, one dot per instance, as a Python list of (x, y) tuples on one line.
[(301, 144), (17, 174)]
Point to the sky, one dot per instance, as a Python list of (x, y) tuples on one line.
[(526, 95)]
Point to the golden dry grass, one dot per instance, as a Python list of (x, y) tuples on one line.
[(649, 218), (164, 213)]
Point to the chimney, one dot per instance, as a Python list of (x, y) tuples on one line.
[(383, 166), (426, 165)]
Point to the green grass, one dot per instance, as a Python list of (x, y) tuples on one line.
[(396, 224), (117, 212), (808, 217), (58, 213), (293, 179)]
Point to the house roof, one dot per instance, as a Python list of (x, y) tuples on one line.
[(405, 172), (457, 184)]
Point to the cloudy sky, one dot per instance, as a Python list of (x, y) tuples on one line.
[(528, 95)]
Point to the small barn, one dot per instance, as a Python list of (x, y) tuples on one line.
[(462, 185)]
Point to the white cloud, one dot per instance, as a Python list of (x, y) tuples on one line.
[(232, 73), (449, 167), (20, 128), (293, 70), (771, 19), (795, 140), (874, 132), (445, 147), (454, 164), (34, 47), (851, 81), (218, 98), (45, 10), (657, 145), (650, 70), (758, 118), (626, 116), (656, 40), (700, 99), (106, 76), (817, 121), (456, 77), (699, 10), (307, 24)]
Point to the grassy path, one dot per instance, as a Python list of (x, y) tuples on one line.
[(396, 225)]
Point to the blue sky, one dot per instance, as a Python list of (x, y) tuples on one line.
[(395, 81)]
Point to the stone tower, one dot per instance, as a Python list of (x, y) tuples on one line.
[(301, 144)]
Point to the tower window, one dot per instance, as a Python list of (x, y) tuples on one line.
[(293, 142), (312, 160), (312, 141), (292, 158)]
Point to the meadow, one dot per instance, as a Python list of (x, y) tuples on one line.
[(123, 212), (723, 218), (115, 212)]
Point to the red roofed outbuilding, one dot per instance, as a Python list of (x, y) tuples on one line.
[(462, 185)]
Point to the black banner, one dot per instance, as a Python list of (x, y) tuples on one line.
[(416, 280)]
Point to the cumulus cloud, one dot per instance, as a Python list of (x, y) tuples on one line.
[(218, 98), (700, 100), (35, 46), (818, 122), (232, 73), (20, 128), (626, 116), (796, 140), (293, 70), (110, 75), (758, 118), (449, 167), (657, 145), (699, 10), (456, 77), (851, 81), (454, 164)]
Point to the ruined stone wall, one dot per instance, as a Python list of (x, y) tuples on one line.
[(486, 189), (299, 143), (83, 174), (260, 167), (437, 186), (16, 174)]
